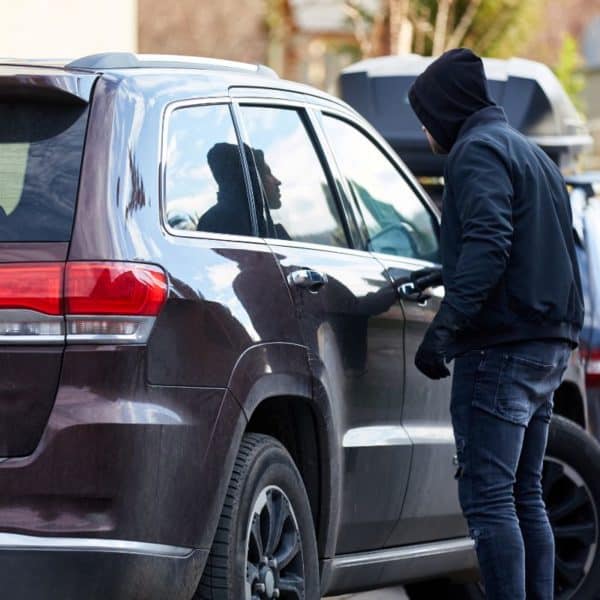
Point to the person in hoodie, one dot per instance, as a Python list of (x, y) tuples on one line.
[(510, 318)]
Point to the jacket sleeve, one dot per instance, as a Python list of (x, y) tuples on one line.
[(482, 190)]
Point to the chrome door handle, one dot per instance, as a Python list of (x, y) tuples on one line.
[(307, 279)]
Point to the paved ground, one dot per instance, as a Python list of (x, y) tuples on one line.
[(396, 593)]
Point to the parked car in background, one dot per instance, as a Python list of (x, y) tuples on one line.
[(536, 104), (584, 192)]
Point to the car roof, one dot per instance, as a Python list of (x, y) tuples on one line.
[(127, 65), (127, 60)]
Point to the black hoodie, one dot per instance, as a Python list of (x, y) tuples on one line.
[(508, 252), (448, 92)]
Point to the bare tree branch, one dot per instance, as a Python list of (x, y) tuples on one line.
[(399, 23), (363, 30), (441, 26), (486, 40), (463, 26)]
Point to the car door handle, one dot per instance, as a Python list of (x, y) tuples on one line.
[(307, 279), (409, 291)]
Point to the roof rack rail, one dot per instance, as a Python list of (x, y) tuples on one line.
[(129, 60)]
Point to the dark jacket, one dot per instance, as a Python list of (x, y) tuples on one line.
[(508, 252)]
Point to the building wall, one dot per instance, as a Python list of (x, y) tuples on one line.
[(67, 28), (231, 29)]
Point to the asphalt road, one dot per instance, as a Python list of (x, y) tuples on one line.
[(396, 593)]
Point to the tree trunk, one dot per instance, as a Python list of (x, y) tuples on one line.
[(441, 26)]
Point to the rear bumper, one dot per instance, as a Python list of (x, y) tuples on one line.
[(58, 568)]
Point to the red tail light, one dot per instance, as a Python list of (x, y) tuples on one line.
[(32, 286), (591, 359), (99, 302), (114, 289)]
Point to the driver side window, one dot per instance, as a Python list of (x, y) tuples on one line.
[(396, 220)]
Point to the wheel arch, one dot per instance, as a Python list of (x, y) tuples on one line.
[(280, 397)]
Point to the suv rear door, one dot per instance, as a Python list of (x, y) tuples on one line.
[(402, 232), (43, 118), (347, 310)]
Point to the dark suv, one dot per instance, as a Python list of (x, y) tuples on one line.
[(206, 334)]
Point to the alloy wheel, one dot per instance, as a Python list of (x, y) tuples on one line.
[(274, 560), (575, 524)]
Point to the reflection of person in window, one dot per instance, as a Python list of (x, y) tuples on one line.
[(272, 194), (230, 214)]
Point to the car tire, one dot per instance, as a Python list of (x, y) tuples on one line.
[(572, 494), (265, 540)]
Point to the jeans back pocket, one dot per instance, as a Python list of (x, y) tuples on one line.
[(512, 386)]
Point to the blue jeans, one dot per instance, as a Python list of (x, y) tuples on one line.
[(501, 408)]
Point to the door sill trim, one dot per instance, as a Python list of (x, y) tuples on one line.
[(403, 553), (18, 541), (392, 566)]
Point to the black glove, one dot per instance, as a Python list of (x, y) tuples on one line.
[(428, 277), (430, 358)]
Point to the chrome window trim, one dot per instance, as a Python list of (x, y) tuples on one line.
[(19, 541), (271, 101), (208, 236), (168, 110), (276, 242)]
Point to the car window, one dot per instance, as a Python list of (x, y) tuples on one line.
[(396, 220), (296, 202), (41, 144), (204, 181)]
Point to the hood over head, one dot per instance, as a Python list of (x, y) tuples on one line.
[(448, 92)]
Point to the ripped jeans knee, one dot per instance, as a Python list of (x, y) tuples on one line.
[(458, 460)]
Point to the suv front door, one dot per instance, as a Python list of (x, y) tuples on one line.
[(402, 233), (348, 316)]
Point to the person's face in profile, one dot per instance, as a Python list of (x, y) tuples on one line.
[(435, 147), (271, 186)]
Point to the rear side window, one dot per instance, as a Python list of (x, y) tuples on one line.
[(41, 145), (204, 181)]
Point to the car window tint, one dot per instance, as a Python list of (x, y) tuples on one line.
[(204, 180), (396, 220), (298, 203), (41, 144)]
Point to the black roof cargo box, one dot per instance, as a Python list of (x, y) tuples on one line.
[(533, 99)]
